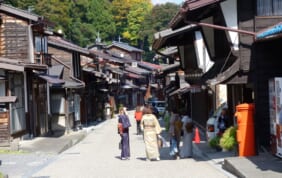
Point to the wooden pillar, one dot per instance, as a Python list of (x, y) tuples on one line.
[(67, 112)]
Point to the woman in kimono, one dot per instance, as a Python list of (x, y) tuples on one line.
[(151, 128), (186, 150), (123, 127)]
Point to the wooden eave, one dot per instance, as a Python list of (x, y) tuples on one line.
[(17, 65), (60, 43), (193, 8), (18, 12), (8, 99), (171, 37), (171, 67)]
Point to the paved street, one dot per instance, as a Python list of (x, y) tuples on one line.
[(24, 165), (98, 156)]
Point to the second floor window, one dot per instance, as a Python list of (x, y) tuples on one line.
[(269, 7), (41, 44)]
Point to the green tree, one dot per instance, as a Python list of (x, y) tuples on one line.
[(57, 12), (120, 10), (22, 4), (138, 11), (157, 20), (102, 19), (80, 20)]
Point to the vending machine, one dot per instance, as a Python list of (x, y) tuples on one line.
[(275, 111)]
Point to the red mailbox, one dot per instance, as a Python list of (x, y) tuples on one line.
[(245, 131)]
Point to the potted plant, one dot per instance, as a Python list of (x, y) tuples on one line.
[(214, 143), (228, 140)]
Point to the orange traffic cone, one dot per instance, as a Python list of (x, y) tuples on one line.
[(197, 138)]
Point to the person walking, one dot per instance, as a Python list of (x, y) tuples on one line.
[(123, 127), (138, 116), (175, 128), (151, 128), (154, 110), (186, 150), (222, 121)]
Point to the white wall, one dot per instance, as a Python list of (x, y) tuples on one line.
[(203, 57), (229, 9), (221, 94)]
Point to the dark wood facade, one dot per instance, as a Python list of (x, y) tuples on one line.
[(246, 71), (266, 64), (66, 57), (28, 114), (259, 61), (14, 37)]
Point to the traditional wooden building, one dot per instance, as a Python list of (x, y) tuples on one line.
[(23, 56), (115, 80), (242, 61), (124, 50), (67, 96)]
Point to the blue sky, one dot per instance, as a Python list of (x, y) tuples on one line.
[(164, 1)]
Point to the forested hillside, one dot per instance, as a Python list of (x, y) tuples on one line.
[(82, 21)]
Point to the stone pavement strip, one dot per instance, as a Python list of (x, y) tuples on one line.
[(52, 145), (262, 166), (98, 156)]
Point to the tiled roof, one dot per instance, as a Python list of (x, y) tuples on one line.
[(137, 70), (126, 59), (18, 65), (56, 70), (161, 38), (63, 43), (95, 73), (54, 81), (18, 12), (108, 57), (170, 50), (169, 67), (134, 76), (70, 81), (183, 90), (149, 66), (125, 46), (115, 70), (188, 6)]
